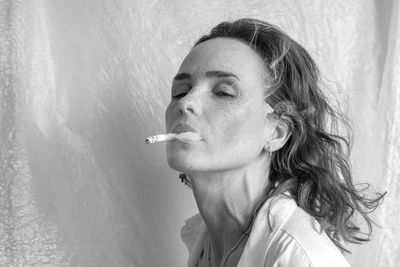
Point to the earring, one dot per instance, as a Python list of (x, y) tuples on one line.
[(184, 179), (269, 150)]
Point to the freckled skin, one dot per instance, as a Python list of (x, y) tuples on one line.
[(234, 129)]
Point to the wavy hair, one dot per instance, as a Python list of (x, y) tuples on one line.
[(314, 164)]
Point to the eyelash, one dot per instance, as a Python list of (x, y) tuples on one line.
[(221, 94)]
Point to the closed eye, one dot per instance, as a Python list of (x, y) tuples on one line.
[(180, 90), (223, 88), (223, 94), (180, 95), (219, 90)]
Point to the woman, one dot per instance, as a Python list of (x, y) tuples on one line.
[(271, 179)]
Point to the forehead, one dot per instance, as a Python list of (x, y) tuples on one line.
[(223, 54)]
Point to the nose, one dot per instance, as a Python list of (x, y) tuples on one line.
[(188, 104)]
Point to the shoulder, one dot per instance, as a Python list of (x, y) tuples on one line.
[(301, 240), (286, 251)]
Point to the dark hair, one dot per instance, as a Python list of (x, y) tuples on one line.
[(314, 164)]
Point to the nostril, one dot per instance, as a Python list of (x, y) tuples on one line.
[(187, 106)]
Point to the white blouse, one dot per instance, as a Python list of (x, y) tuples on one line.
[(283, 235)]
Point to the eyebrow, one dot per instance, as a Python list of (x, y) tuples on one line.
[(209, 74)]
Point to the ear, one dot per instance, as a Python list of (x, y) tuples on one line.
[(278, 133)]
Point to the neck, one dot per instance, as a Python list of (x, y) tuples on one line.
[(226, 201)]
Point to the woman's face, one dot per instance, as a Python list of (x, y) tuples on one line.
[(218, 91)]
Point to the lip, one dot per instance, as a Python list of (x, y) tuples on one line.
[(181, 127)]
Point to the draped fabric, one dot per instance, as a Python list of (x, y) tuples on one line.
[(83, 82)]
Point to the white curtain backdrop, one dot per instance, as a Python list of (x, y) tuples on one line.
[(83, 82)]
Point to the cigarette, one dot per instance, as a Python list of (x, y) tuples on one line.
[(159, 138), (184, 136)]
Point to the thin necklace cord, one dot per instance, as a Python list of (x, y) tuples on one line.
[(233, 248)]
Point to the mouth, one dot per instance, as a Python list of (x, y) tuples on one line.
[(180, 128), (186, 133)]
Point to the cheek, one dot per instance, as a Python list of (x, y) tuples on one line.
[(239, 140), (242, 125), (169, 115)]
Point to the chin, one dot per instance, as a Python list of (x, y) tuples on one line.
[(177, 163), (182, 162)]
